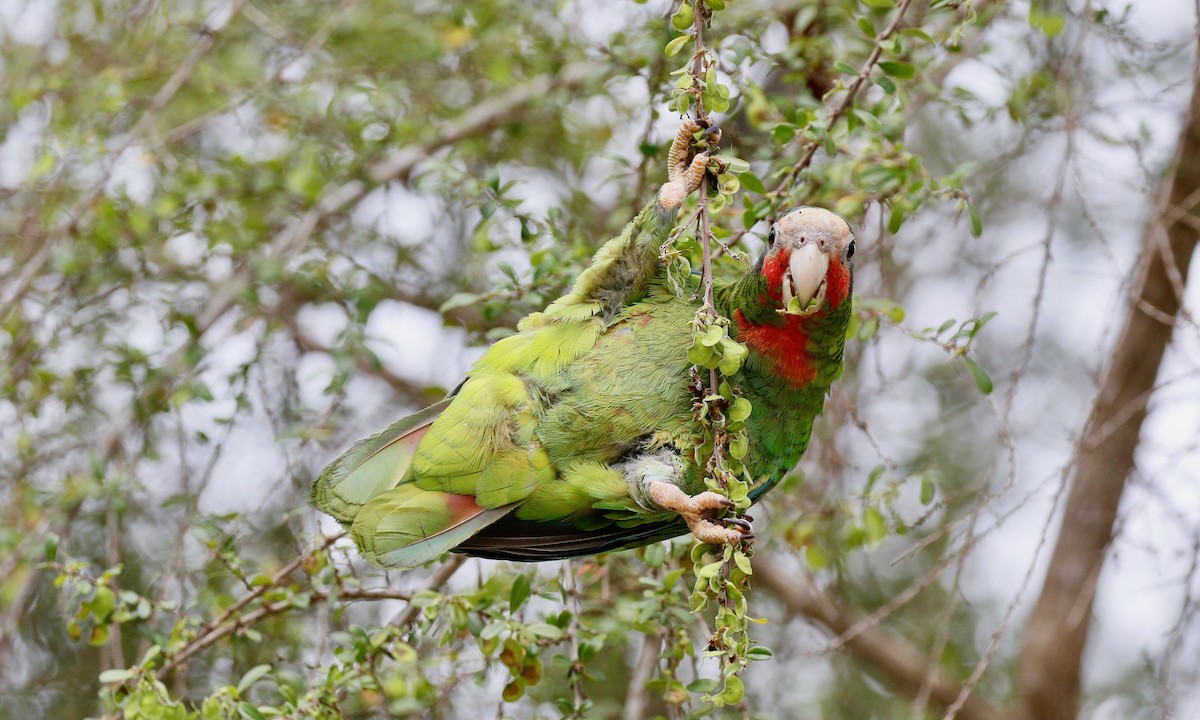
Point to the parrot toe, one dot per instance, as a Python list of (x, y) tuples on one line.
[(698, 511), (708, 531)]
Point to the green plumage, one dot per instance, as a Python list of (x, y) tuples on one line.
[(525, 461)]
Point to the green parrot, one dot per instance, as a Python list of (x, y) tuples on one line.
[(574, 436)]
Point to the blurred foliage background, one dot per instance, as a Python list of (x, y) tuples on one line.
[(236, 235)]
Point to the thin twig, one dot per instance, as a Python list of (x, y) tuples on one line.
[(439, 578), (574, 628), (643, 672), (810, 150)]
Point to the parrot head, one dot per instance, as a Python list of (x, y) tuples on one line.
[(808, 262), (794, 309)]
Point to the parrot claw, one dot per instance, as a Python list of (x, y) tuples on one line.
[(740, 524), (712, 135), (697, 511)]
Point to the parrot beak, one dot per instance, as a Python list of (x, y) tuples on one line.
[(804, 280)]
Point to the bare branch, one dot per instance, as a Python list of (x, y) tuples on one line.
[(898, 662), (643, 672), (1051, 659)]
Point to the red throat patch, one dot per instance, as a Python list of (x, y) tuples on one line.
[(785, 345)]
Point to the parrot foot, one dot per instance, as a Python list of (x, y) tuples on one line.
[(698, 511), (684, 177)]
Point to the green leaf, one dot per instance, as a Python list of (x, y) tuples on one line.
[(702, 355), (250, 712), (759, 652), (1053, 25), (876, 473), (734, 690), (888, 86), (979, 375), (816, 557), (898, 69), (739, 446), (866, 26), (739, 410), (982, 320), (713, 336), (867, 119), (784, 132), (102, 603), (98, 636), (683, 18), (116, 675), (736, 165), (521, 587), (876, 526), (702, 685), (676, 45), (458, 300), (917, 33), (927, 490), (424, 598), (881, 4), (845, 67), (733, 355), (51, 543), (976, 223), (546, 630), (751, 182), (709, 571), (252, 676)]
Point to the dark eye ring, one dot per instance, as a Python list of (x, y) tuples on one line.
[(850, 250), (771, 236)]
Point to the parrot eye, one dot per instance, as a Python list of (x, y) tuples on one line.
[(850, 250), (771, 236)]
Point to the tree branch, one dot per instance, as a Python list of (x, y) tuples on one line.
[(898, 662), (30, 268), (810, 150), (1051, 659)]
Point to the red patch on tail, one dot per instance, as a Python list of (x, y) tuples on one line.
[(462, 507)]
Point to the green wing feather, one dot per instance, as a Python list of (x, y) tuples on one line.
[(372, 465), (407, 526)]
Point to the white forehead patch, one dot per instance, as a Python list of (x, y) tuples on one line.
[(814, 219)]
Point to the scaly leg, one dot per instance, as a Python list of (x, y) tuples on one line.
[(697, 512), (684, 177)]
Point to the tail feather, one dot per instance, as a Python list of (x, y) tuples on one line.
[(372, 466), (515, 539), (407, 526)]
